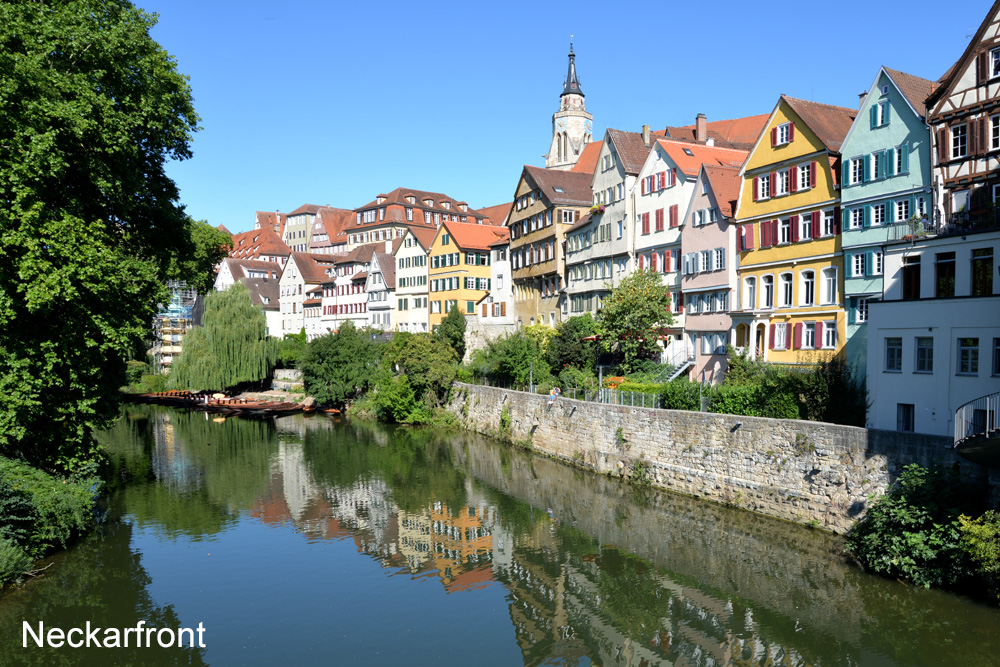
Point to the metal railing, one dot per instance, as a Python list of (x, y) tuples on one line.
[(978, 417), (635, 399)]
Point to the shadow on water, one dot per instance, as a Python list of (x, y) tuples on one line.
[(592, 570)]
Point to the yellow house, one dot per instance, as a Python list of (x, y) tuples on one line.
[(791, 279), (459, 273)]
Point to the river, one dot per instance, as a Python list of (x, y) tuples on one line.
[(303, 541)]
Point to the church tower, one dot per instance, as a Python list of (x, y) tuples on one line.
[(572, 126)]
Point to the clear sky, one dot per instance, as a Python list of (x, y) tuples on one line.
[(336, 102)]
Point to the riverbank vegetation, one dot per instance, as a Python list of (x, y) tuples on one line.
[(931, 530)]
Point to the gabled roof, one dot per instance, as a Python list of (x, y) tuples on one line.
[(581, 223), (239, 267), (313, 268), (725, 183), (690, 157), (632, 151), (399, 195), (424, 236), (495, 215), (575, 186), (474, 237), (222, 228), (273, 220), (360, 255), (739, 133), (306, 208), (263, 292), (829, 123), (387, 267), (257, 242), (335, 220), (945, 83), (587, 162), (913, 88)]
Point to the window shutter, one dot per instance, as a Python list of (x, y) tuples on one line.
[(680, 301), (749, 236), (765, 234), (673, 215), (812, 174), (770, 337), (942, 144), (815, 223), (756, 187), (793, 222), (866, 216), (652, 262), (484, 310), (797, 340), (642, 186), (866, 176), (888, 112), (673, 177), (793, 179), (818, 343), (972, 136), (774, 137), (982, 135), (845, 172), (642, 262), (890, 211), (791, 132), (913, 209), (981, 69), (773, 183), (905, 161), (663, 179), (836, 220), (884, 160), (890, 162), (775, 224), (873, 116), (851, 311), (868, 263)]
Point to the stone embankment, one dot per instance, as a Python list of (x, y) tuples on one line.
[(806, 472)]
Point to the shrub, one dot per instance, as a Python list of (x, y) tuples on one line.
[(641, 388), (339, 366), (291, 348), (981, 545), (913, 531), (568, 349), (134, 370), (681, 394), (394, 400), (14, 562), (575, 378), (735, 399)]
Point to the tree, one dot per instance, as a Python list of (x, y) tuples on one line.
[(452, 331), (230, 349), (291, 348), (428, 361), (633, 315), (340, 366), (569, 348), (205, 246), (91, 108)]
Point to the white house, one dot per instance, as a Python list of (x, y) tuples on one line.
[(381, 289), (412, 291), (231, 270), (301, 273)]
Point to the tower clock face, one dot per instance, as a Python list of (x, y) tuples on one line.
[(561, 124), (590, 127)]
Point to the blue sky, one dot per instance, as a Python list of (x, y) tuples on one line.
[(334, 103)]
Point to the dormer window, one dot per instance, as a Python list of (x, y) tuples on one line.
[(411, 200), (380, 199), (429, 203), (446, 205)]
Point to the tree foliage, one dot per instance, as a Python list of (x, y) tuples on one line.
[(204, 246), (340, 366), (230, 349), (633, 315), (452, 331), (428, 361), (291, 348), (568, 348), (91, 108), (512, 360)]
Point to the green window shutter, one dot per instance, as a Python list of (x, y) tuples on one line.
[(873, 116), (913, 204), (845, 167), (905, 148), (890, 210), (888, 110), (851, 311), (890, 162), (867, 171), (883, 160), (866, 216), (868, 263)]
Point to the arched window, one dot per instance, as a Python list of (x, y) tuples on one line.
[(786, 290)]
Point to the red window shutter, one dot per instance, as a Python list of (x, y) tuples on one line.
[(756, 188), (773, 183), (673, 177), (818, 343), (983, 140), (815, 224), (774, 137), (673, 216), (765, 234), (770, 336), (652, 262), (793, 179), (680, 301), (812, 174), (793, 222), (663, 179), (642, 262), (791, 132), (797, 340), (749, 236), (642, 186), (666, 261)]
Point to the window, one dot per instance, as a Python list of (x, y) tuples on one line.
[(858, 265), (878, 214), (902, 210), (861, 310), (996, 356), (944, 274), (959, 141), (994, 63), (470, 307), (982, 271), (911, 277), (830, 285), (750, 293), (829, 223), (805, 181), (720, 259), (764, 182), (968, 356), (878, 165), (894, 355), (904, 417), (781, 187), (857, 218), (805, 227), (995, 132), (786, 231), (809, 335), (925, 355), (876, 262), (880, 114), (568, 216), (857, 170), (830, 334), (786, 290), (784, 134), (768, 287), (808, 288), (780, 336)]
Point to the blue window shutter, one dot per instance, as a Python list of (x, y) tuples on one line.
[(852, 310), (913, 204), (906, 158), (888, 107), (883, 159), (845, 166), (866, 217), (873, 116), (868, 263), (890, 208), (890, 162), (867, 160)]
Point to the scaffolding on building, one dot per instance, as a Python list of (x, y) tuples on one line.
[(182, 311)]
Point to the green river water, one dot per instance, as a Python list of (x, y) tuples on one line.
[(306, 541)]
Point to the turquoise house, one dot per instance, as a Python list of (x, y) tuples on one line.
[(885, 190)]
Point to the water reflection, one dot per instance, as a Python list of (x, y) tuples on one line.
[(592, 571)]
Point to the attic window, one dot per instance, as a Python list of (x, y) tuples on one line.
[(558, 189), (411, 200), (687, 151), (885, 89), (446, 205)]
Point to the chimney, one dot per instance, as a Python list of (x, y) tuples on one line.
[(861, 98), (645, 134), (700, 127)]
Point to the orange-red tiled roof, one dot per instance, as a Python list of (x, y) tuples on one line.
[(424, 235), (829, 123), (587, 162), (739, 133), (474, 237), (257, 242), (725, 183), (496, 215), (700, 154), (914, 88)]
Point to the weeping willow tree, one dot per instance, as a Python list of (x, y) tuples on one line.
[(232, 347)]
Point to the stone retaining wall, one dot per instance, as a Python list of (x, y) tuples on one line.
[(807, 472)]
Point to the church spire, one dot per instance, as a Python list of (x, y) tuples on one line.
[(572, 84)]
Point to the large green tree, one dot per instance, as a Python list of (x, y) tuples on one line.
[(340, 366), (91, 108), (231, 348), (632, 317), (194, 262), (452, 330)]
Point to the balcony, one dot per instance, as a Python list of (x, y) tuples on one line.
[(963, 222)]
